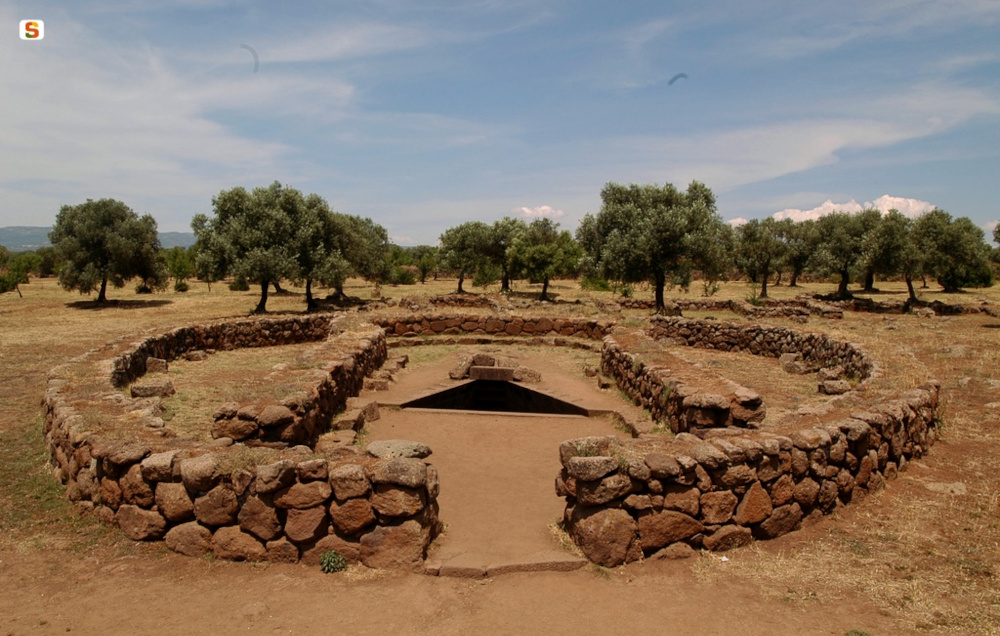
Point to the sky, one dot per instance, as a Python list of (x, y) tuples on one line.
[(424, 115)]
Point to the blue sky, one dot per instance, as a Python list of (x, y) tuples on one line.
[(422, 115)]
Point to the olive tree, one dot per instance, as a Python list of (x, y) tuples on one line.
[(759, 249), (541, 252), (105, 241), (251, 235), (463, 249), (841, 235), (650, 233), (954, 250)]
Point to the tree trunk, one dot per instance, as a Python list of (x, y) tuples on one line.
[(277, 287), (763, 286), (909, 288), (262, 305), (461, 279), (842, 292), (795, 279), (505, 282), (310, 302), (545, 290), (102, 296), (923, 279), (777, 281), (869, 280), (659, 282)]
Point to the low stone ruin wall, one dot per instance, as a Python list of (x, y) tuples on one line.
[(624, 501), (304, 415), (237, 334), (630, 499), (817, 349), (672, 402), (491, 324), (218, 497), (767, 309)]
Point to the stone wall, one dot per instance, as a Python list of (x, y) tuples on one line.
[(768, 308), (670, 401), (817, 349), (236, 334), (218, 497), (491, 324), (634, 498)]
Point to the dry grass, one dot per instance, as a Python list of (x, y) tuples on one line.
[(930, 560)]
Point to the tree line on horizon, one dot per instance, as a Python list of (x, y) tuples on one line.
[(642, 234)]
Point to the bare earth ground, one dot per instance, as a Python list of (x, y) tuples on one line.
[(921, 557)]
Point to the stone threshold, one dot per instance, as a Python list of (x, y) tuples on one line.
[(478, 566)]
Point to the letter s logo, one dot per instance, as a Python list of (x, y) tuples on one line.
[(32, 29)]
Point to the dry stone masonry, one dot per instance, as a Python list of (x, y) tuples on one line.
[(294, 505), (627, 500)]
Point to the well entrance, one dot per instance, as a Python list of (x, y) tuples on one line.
[(495, 396)]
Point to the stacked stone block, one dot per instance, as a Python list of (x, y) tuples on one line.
[(625, 500), (491, 324), (378, 511)]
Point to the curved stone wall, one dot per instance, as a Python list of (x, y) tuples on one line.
[(626, 500), (218, 496)]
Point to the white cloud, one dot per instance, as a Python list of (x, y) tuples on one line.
[(909, 207), (539, 211), (738, 221)]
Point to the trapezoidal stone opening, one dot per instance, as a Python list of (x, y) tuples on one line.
[(495, 396)]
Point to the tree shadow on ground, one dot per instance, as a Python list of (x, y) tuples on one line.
[(118, 304)]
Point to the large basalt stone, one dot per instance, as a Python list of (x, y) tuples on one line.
[(352, 516), (591, 468), (662, 466), (397, 501), (661, 528), (686, 500), (159, 466), (153, 387), (756, 506), (189, 539), (217, 507), (595, 493), (401, 471), (399, 547), (307, 495), (173, 502), (390, 448), (234, 428), (727, 538), (717, 507), (783, 520), (349, 481), (140, 525), (135, 490), (306, 525), (199, 474), (282, 551), (232, 544), (272, 477), (275, 415), (260, 519), (607, 536)]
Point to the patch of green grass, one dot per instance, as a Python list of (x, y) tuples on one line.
[(30, 498)]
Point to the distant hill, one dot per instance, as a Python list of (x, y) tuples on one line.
[(24, 238)]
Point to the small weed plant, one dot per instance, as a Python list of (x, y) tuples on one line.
[(332, 562)]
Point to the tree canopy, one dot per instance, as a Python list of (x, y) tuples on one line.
[(105, 241), (759, 249), (542, 252), (651, 233), (463, 249)]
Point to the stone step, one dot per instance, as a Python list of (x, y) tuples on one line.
[(477, 566)]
